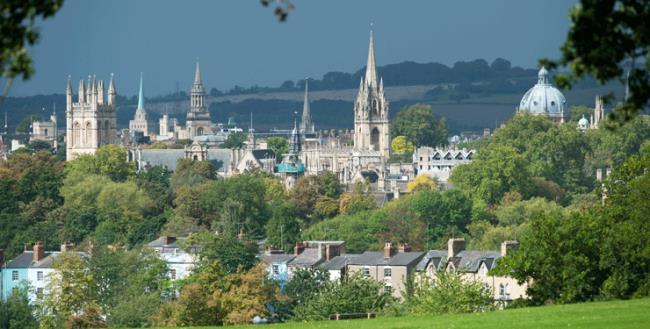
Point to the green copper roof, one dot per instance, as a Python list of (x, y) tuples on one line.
[(290, 168)]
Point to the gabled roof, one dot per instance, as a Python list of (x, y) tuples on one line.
[(309, 257), (470, 260), (25, 260), (376, 258), (436, 256), (275, 258), (263, 154)]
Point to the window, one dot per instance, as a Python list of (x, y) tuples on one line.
[(14, 275), (172, 274), (39, 276), (366, 272), (502, 290), (276, 270), (388, 289), (388, 272)]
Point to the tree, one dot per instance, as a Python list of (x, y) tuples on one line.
[(279, 146), (16, 312), (109, 160), (190, 172), (422, 182), (608, 50), (69, 292), (401, 145), (235, 141), (419, 126), (230, 252), (283, 229), (449, 293), (305, 284)]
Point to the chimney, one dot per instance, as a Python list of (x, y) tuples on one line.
[(454, 246), (39, 251), (508, 246), (66, 246), (388, 250), (404, 247), (599, 175), (299, 248), (331, 251), (167, 240), (240, 236), (2, 257)]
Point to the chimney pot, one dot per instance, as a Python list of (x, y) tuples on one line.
[(404, 247), (388, 250), (66, 246), (454, 246), (299, 248)]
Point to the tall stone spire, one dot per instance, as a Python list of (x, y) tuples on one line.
[(140, 95), (197, 74), (306, 125), (111, 91), (371, 70)]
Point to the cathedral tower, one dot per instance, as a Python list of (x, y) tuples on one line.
[(198, 117), (90, 122), (371, 126)]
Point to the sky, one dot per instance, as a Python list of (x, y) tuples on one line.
[(240, 42)]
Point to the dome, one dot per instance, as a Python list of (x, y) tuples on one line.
[(543, 98)]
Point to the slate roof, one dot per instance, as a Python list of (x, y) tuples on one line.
[(160, 242), (24, 260), (470, 260), (220, 158), (309, 257), (338, 263), (375, 258), (276, 258), (435, 256)]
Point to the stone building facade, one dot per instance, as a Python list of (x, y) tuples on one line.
[(91, 120)]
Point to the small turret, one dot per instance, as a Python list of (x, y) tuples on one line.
[(68, 95), (89, 90), (111, 91), (100, 92), (82, 92)]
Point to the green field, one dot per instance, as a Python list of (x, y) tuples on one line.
[(616, 314)]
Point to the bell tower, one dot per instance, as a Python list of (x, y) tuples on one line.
[(371, 125)]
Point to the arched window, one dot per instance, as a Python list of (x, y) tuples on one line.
[(374, 139), (199, 131), (45, 132), (88, 133), (76, 134), (196, 158), (375, 107)]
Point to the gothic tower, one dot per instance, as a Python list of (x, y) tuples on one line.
[(198, 117), (139, 122), (371, 126), (306, 125), (90, 122)]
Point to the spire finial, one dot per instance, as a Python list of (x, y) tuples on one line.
[(371, 70), (197, 73), (141, 95)]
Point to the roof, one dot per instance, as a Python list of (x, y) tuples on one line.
[(435, 256), (374, 258), (24, 260), (309, 257), (276, 258), (168, 158), (470, 260), (338, 263), (263, 154), (160, 242)]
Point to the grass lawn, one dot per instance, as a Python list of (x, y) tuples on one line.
[(615, 314)]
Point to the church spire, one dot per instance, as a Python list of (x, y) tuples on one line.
[(371, 70), (197, 74), (305, 123), (141, 95)]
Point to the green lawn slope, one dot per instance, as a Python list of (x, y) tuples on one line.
[(614, 314)]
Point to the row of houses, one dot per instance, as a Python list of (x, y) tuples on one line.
[(392, 266)]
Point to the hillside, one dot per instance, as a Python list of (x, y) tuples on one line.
[(613, 314)]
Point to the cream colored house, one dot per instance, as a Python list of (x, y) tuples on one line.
[(390, 267), (474, 265)]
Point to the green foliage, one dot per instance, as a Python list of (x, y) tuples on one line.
[(306, 284), (235, 141), (283, 229), (25, 125), (401, 145), (279, 145), (418, 125), (354, 295), (230, 252), (109, 160), (309, 189), (604, 51), (190, 172), (450, 293), (16, 312)]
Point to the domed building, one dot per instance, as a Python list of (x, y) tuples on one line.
[(544, 99)]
